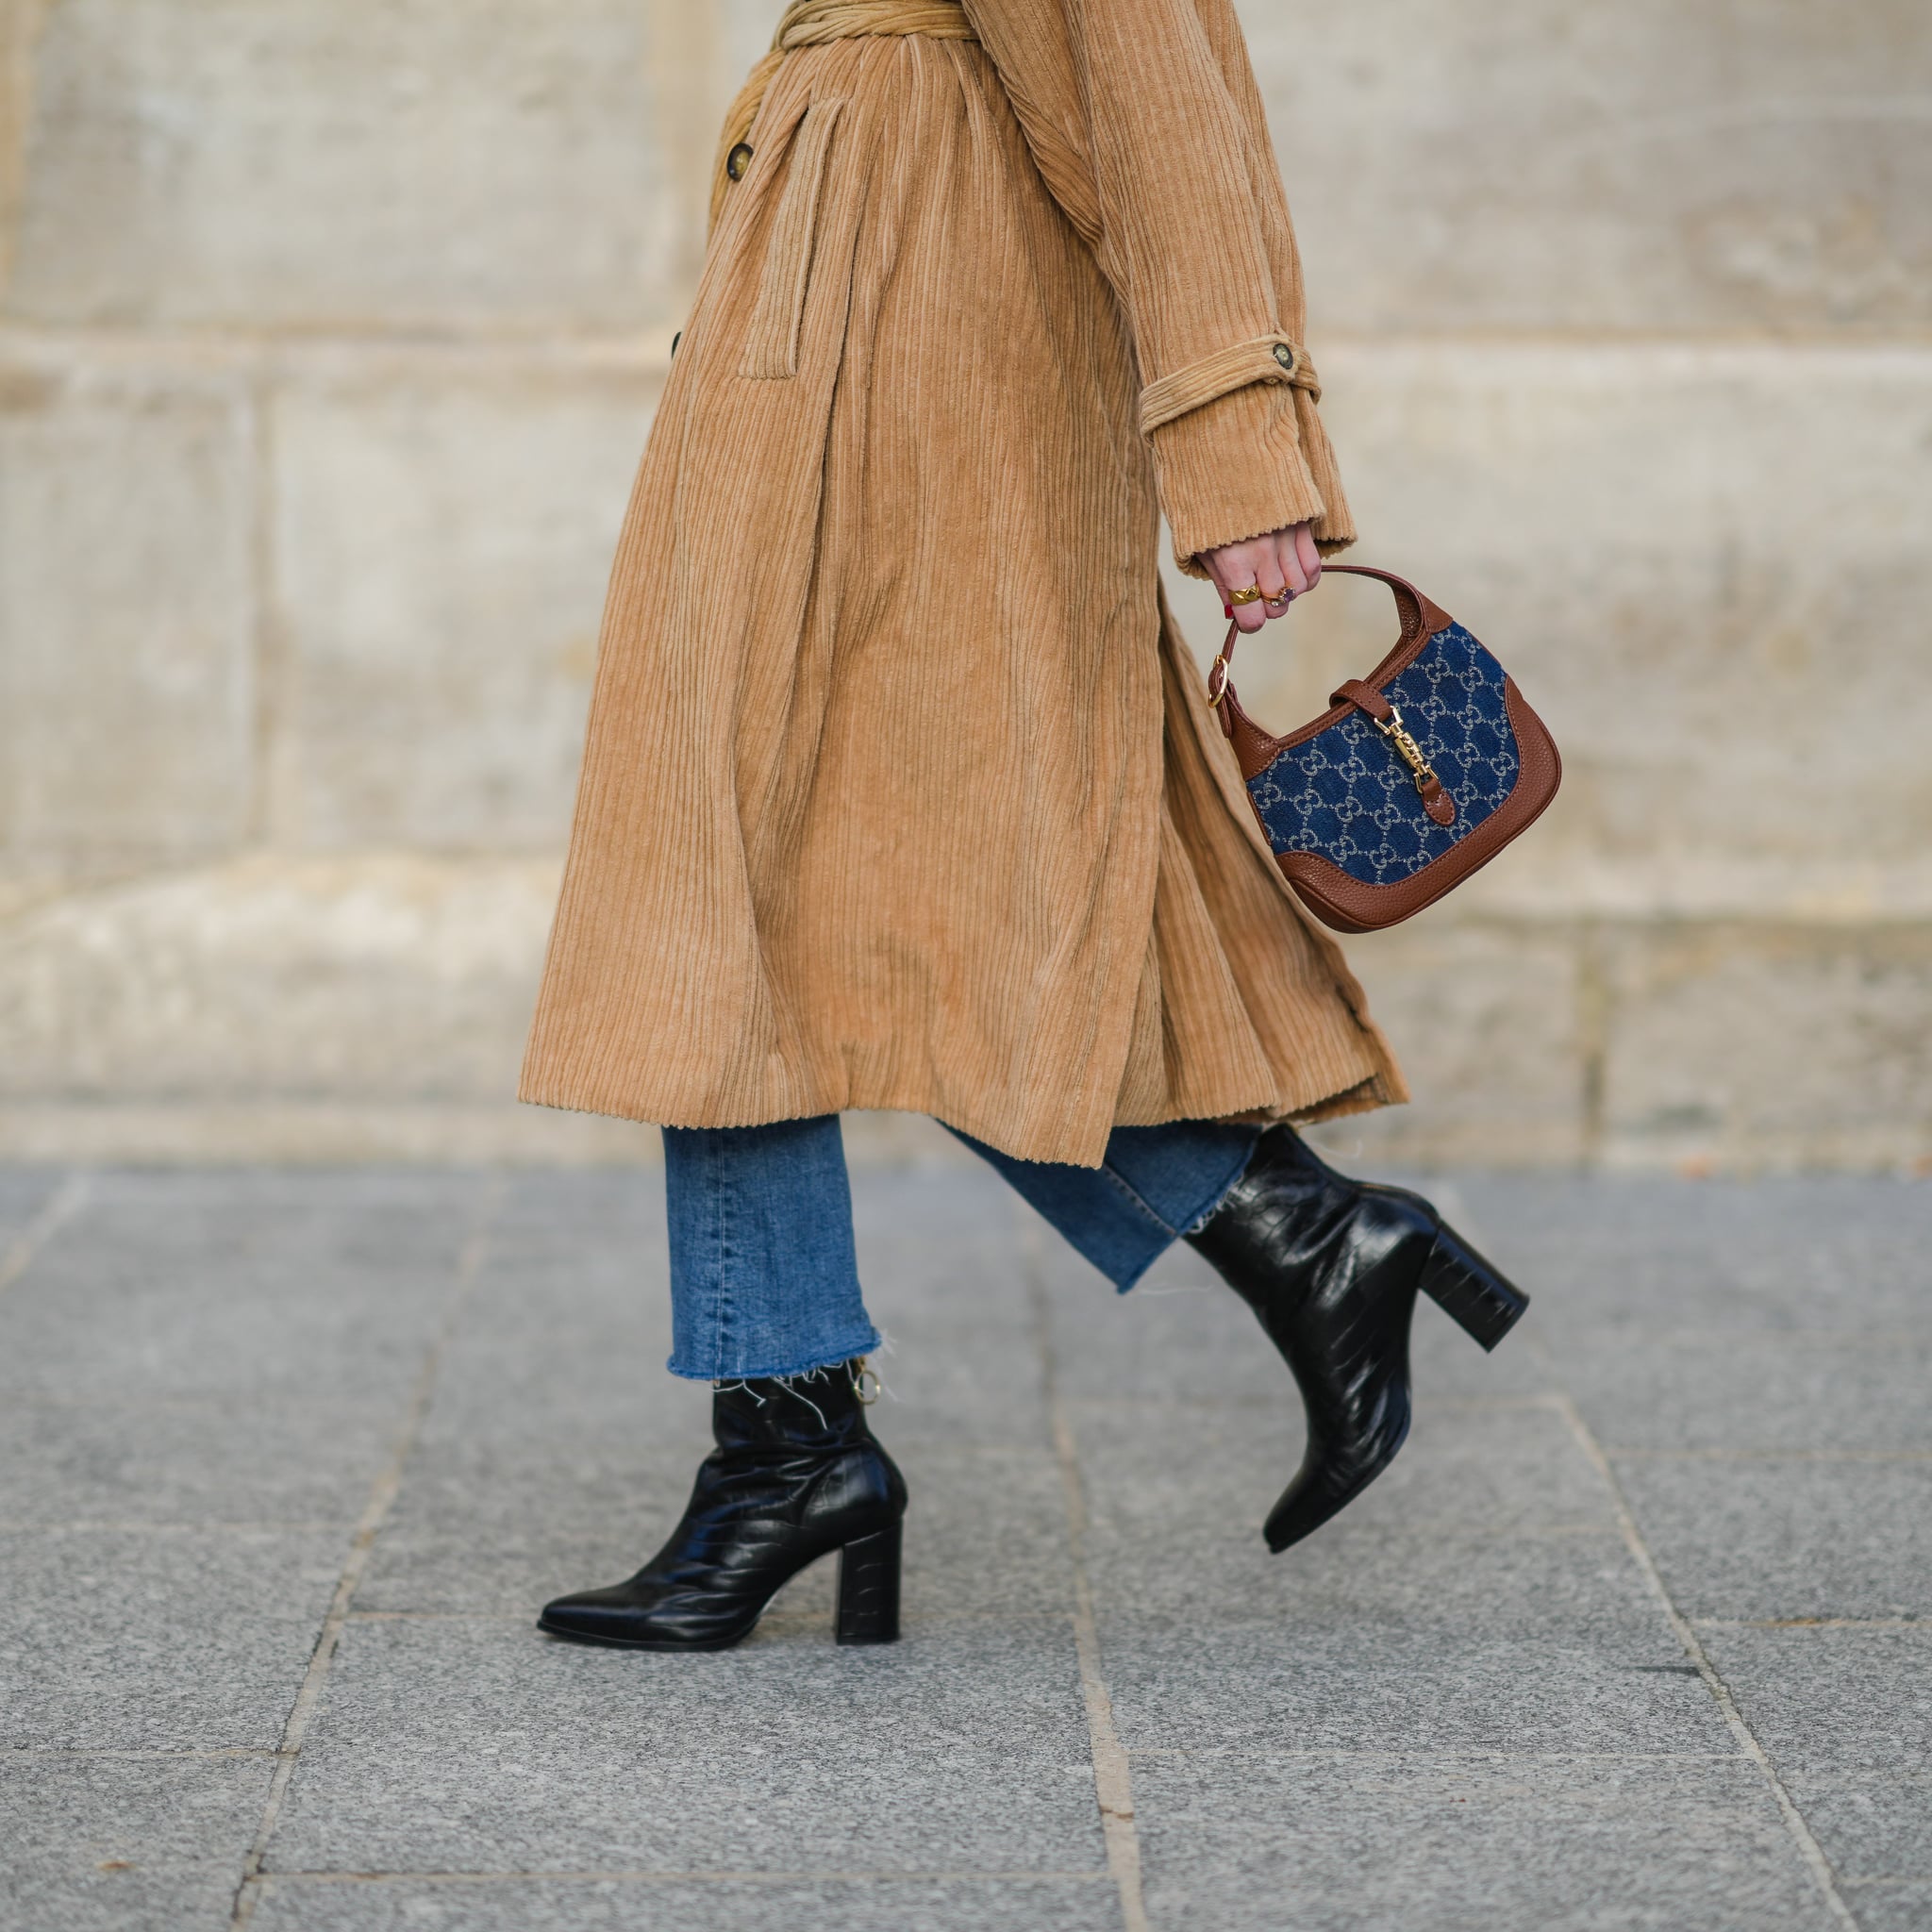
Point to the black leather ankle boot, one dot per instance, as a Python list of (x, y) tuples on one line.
[(1332, 1268), (796, 1475)]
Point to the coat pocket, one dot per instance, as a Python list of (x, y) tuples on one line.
[(770, 347)]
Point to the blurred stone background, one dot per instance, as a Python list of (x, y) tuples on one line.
[(330, 334)]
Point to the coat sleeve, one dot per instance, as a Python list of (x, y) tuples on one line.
[(1195, 237)]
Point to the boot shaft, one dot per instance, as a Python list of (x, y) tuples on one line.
[(815, 1413), (1275, 1226)]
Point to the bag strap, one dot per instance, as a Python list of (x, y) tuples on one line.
[(1415, 610)]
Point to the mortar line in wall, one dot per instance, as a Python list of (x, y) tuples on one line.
[(1593, 1043), (1113, 1787), (645, 353), (682, 57), (630, 342), (264, 651), (382, 1496), (20, 31)]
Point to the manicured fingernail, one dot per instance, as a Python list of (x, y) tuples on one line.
[(1227, 610)]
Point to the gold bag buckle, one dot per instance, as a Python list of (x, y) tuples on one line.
[(1397, 733)]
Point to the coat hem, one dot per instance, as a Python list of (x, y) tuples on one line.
[(1365, 1095)]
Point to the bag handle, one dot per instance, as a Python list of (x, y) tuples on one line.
[(1416, 611)]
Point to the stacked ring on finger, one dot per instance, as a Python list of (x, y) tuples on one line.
[(1283, 596), (1251, 595)]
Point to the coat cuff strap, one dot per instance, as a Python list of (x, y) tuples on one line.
[(1265, 359)]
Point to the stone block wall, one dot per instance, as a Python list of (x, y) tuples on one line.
[(330, 334)]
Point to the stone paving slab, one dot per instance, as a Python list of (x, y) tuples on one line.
[(1839, 1700), (1849, 1538), (200, 1461), (1420, 1843), (1467, 1704), (1884, 1907), (1803, 1253), (86, 1900), (1738, 1392), (144, 1811), (190, 1640), (959, 1902), (23, 1195), (1875, 1826), (1373, 1690), (454, 1745), (190, 1286)]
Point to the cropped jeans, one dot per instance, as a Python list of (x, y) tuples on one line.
[(764, 1273)]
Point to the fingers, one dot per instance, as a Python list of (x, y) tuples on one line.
[(1311, 558), (1282, 565), (1293, 577), (1238, 567)]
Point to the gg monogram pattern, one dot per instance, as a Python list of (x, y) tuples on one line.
[(1348, 796)]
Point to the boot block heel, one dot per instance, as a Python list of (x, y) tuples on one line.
[(1469, 1290), (869, 1589)]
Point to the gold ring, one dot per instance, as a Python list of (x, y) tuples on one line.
[(1251, 595), (1281, 596)]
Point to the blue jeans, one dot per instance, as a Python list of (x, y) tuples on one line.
[(764, 1275)]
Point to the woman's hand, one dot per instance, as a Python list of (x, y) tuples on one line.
[(1284, 563)]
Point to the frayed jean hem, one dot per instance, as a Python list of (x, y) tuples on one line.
[(829, 1356)]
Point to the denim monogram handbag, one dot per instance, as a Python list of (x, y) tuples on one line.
[(1420, 772)]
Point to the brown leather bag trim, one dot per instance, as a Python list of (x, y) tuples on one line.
[(1365, 697), (1421, 618), (1253, 750), (1349, 906)]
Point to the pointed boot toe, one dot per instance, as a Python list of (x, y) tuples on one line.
[(1332, 1476), (796, 1475), (599, 1616), (1332, 1268), (651, 1612)]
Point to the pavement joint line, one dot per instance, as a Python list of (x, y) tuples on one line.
[(1801, 1835), (53, 1214), (1478, 1533), (1223, 1400), (224, 1401), (1377, 1754), (1812, 1623), (448, 1617), (140, 1757), (652, 1876), (1855, 1456), (382, 1496), (781, 1622), (1732, 1334), (113, 1526), (1113, 1782)]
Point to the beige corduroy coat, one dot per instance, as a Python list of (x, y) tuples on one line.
[(901, 790)]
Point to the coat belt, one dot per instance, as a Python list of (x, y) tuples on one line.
[(812, 24)]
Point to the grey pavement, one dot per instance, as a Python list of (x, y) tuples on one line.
[(1636, 1634)]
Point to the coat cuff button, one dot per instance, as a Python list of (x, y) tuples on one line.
[(738, 160)]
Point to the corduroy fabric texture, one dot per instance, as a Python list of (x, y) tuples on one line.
[(900, 788)]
